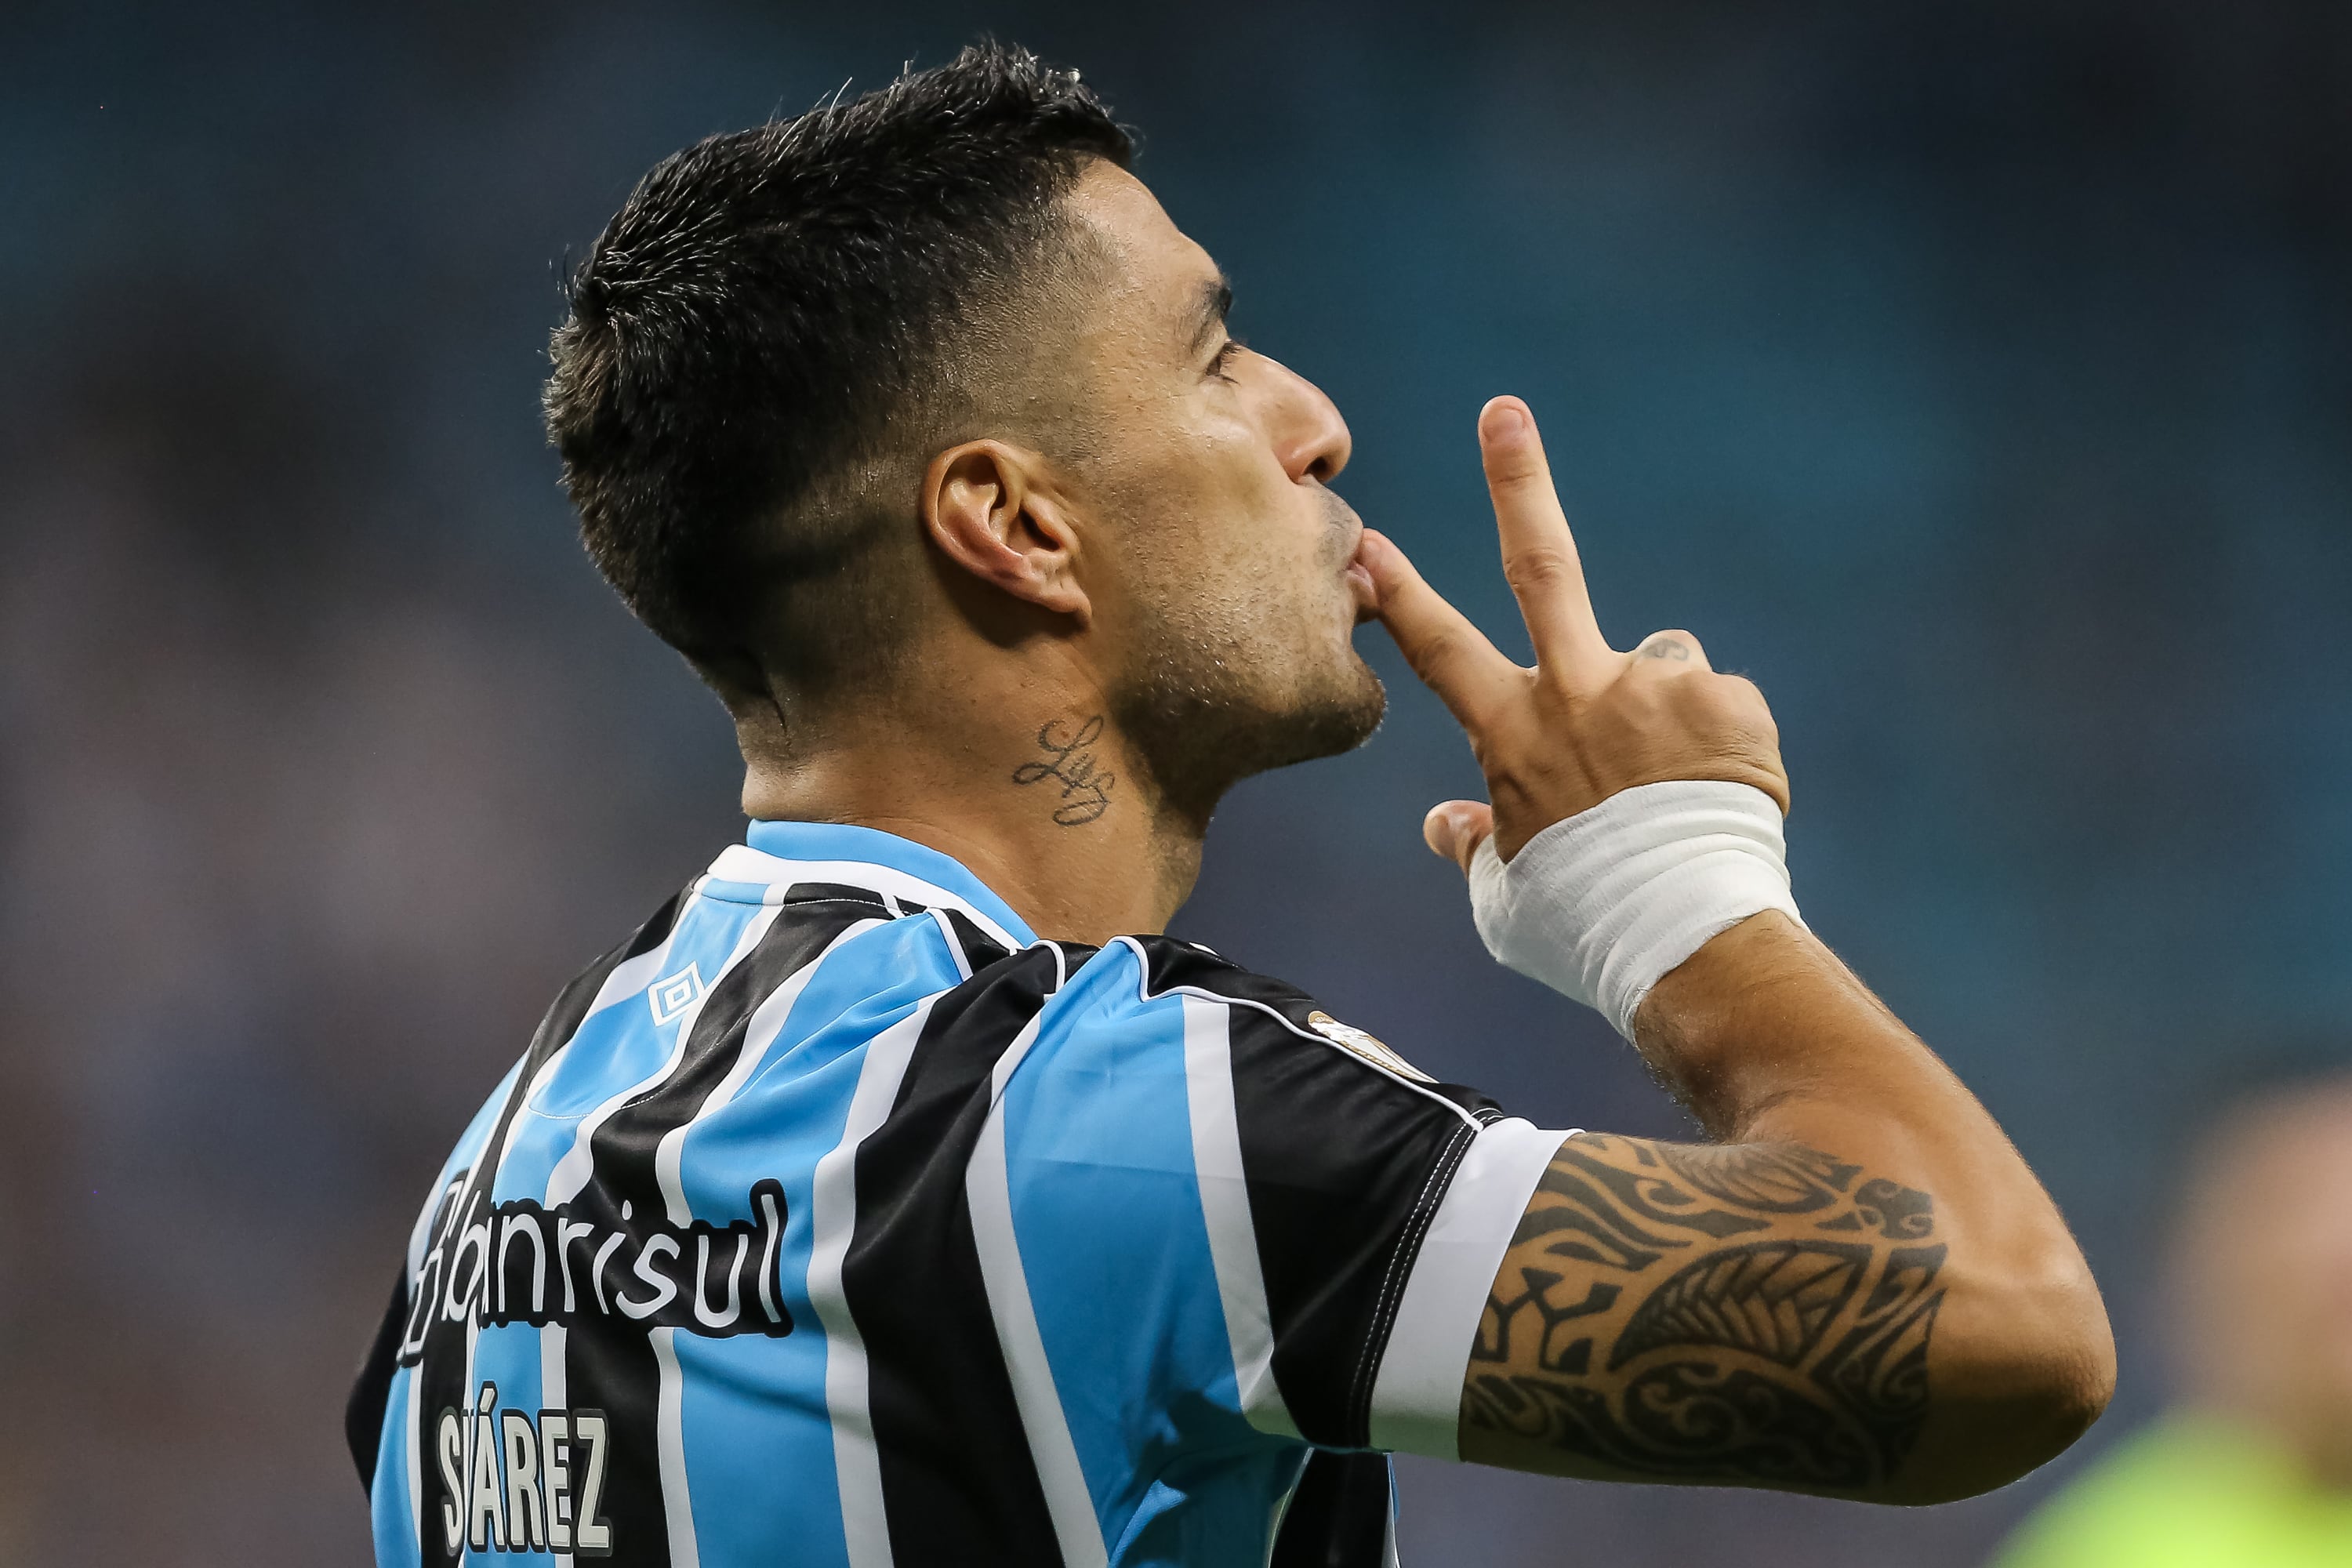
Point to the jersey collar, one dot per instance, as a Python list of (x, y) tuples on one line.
[(913, 869)]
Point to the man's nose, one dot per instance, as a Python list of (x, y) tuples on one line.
[(1310, 439)]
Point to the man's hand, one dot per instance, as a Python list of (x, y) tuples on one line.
[(1587, 720), (1861, 1290)]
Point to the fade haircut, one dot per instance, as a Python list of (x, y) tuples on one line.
[(779, 329)]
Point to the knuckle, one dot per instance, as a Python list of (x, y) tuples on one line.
[(1435, 651), (1513, 469), (1731, 702), (1537, 567), (1744, 698), (1674, 648), (1736, 692)]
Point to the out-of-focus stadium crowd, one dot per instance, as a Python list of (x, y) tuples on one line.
[(1980, 381)]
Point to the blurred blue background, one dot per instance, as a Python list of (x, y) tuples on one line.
[(1978, 379)]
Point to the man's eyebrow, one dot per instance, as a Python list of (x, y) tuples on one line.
[(1216, 299)]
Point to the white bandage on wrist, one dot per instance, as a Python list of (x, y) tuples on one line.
[(1601, 906)]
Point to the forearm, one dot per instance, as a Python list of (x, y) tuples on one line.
[(1763, 1023), (1770, 1039), (1861, 1289)]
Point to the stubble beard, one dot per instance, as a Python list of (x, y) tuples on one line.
[(1204, 710)]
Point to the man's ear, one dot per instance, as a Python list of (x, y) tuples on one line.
[(993, 511)]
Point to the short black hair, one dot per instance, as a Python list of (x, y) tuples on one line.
[(763, 327)]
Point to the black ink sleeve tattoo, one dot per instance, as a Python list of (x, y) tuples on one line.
[(1751, 1314), (1070, 762)]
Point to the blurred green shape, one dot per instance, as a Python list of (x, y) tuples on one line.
[(2190, 1491)]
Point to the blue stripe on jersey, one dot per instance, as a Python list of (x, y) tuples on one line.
[(616, 1048), (1211, 1507), (1098, 1122), (758, 1479), (393, 1502)]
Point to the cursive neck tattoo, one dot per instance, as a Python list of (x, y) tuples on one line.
[(1072, 764)]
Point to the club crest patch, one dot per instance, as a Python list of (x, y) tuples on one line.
[(1348, 1038)]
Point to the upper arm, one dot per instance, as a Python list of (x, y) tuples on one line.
[(1746, 1314)]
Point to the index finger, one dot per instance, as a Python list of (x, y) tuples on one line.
[(1452, 657), (1540, 559)]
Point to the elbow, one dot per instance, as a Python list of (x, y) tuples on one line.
[(2060, 1391), (2058, 1354), (2031, 1367), (2064, 1342), (2082, 1385)]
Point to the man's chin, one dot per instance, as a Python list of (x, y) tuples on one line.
[(1339, 722), (1197, 749)]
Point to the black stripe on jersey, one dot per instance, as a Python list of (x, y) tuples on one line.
[(1345, 1166), (371, 1389), (957, 1482), (441, 1358), (1170, 964), (614, 1369), (609, 1363), (980, 949), (622, 1149), (1338, 1516)]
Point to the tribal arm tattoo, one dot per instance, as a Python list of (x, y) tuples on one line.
[(1754, 1314)]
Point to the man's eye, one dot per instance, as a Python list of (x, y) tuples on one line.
[(1221, 366)]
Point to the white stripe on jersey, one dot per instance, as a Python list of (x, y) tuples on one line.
[(741, 863), (955, 943), (631, 975), (572, 1172), (415, 1442), (1144, 992), (833, 1215), (677, 1507), (988, 1187), (1417, 1400), (759, 1032), (1225, 1208)]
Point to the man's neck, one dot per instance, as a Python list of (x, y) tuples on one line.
[(1040, 799)]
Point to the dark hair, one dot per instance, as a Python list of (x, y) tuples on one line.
[(758, 338)]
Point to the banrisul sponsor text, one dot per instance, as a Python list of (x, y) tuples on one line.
[(521, 1262)]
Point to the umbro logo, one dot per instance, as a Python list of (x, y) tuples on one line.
[(674, 994)]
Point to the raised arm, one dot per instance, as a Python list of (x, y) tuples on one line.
[(1860, 1290)]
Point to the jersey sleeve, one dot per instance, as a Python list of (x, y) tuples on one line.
[(1358, 1209)]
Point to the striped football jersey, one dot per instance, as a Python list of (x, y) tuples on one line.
[(835, 1219)]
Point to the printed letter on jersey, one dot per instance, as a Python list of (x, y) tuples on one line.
[(521, 1262)]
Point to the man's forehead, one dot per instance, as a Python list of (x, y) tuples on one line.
[(1164, 267)]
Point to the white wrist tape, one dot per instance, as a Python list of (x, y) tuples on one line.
[(1601, 906)]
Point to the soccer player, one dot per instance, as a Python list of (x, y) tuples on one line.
[(900, 1195)]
